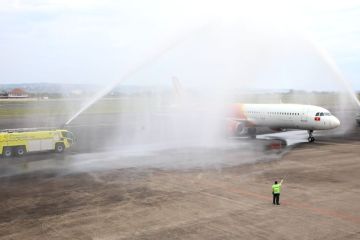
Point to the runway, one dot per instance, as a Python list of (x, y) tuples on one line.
[(204, 201), (155, 191)]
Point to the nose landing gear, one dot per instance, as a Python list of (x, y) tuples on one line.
[(311, 138)]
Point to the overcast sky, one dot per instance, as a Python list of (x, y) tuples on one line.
[(264, 44)]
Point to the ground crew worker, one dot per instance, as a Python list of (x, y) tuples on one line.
[(276, 189)]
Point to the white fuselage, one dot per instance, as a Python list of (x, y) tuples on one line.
[(290, 116)]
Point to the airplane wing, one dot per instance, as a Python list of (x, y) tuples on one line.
[(291, 137)]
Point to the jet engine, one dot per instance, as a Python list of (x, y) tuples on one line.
[(236, 128), (240, 129)]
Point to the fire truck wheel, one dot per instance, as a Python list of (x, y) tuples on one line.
[(7, 151), (20, 151), (59, 147)]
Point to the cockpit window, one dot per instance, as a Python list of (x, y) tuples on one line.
[(323, 114)]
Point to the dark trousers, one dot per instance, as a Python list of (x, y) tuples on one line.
[(276, 198)]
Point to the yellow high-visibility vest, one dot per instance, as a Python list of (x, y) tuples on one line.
[(276, 188)]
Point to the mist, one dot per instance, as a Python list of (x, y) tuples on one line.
[(217, 59), (219, 64)]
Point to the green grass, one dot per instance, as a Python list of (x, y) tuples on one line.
[(68, 107), (20, 108)]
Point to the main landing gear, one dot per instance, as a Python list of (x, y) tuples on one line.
[(252, 132), (311, 138)]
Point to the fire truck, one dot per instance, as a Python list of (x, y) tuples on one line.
[(18, 142)]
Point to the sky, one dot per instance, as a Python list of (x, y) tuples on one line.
[(260, 44)]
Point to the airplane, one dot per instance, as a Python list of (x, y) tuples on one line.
[(244, 118)]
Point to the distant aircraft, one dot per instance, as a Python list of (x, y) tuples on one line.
[(244, 118)]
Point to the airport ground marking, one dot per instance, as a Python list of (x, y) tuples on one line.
[(297, 205), (287, 203)]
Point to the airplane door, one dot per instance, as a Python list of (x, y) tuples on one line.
[(304, 116)]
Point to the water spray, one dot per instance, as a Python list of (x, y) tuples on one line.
[(135, 69), (329, 60)]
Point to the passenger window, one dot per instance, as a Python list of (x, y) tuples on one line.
[(317, 114), (321, 114)]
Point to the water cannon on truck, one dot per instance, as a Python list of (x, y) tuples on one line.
[(18, 142)]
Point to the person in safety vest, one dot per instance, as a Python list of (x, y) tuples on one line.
[(276, 189)]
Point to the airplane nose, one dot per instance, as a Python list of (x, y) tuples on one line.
[(335, 122)]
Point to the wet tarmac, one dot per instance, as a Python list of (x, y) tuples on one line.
[(134, 200), (155, 191)]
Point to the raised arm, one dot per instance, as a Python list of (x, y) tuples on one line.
[(283, 179)]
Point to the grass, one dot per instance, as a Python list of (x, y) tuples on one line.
[(19, 108), (22, 108)]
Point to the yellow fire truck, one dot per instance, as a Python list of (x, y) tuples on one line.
[(21, 141)]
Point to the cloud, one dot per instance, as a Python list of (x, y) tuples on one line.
[(46, 5), (87, 39)]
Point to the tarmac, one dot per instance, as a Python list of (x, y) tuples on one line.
[(320, 196)]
